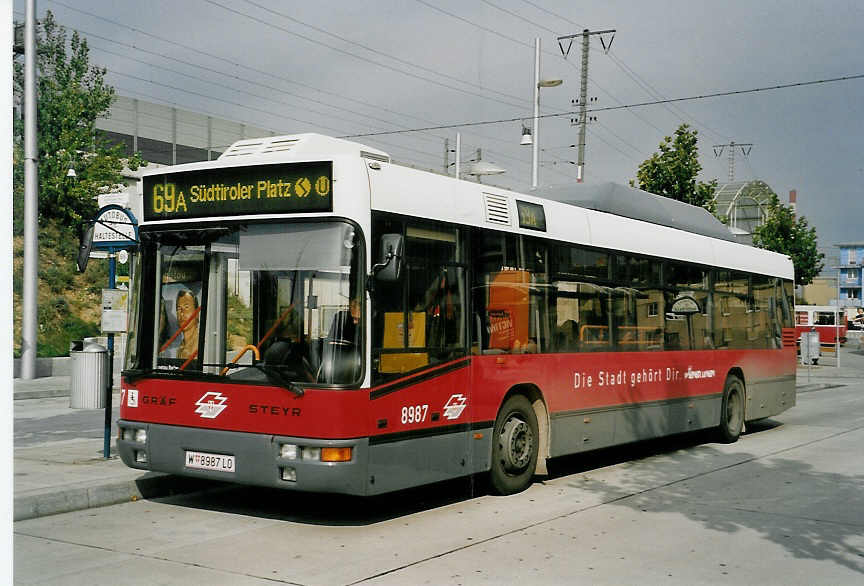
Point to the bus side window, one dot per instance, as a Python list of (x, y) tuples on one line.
[(513, 301), (419, 319), (731, 307), (688, 319), (637, 299), (436, 288), (581, 308)]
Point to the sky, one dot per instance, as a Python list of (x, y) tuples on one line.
[(363, 68)]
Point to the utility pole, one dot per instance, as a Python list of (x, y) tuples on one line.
[(583, 88), (446, 156), (458, 155), (745, 150), (538, 83), (535, 147), (29, 312)]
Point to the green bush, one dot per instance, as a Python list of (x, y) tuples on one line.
[(54, 338)]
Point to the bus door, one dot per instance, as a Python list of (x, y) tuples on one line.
[(420, 374)]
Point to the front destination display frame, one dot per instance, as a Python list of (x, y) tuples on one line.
[(231, 191)]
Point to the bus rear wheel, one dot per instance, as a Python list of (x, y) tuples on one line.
[(731, 411), (514, 447)]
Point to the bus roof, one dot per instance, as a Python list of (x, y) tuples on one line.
[(629, 202), (605, 215)]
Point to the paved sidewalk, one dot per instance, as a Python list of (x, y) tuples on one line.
[(39, 388), (60, 466), (826, 373), (59, 463)]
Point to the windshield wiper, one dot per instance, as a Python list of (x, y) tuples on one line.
[(277, 377), (133, 374), (273, 375)]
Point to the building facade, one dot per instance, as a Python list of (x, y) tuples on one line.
[(167, 135), (851, 269)]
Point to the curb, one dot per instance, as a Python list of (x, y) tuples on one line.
[(150, 486), (43, 394)]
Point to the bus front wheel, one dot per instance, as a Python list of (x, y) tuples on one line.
[(731, 411), (514, 446)]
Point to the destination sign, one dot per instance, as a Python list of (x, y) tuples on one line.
[(229, 191), (531, 216)]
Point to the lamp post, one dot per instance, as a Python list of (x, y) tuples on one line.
[(837, 323), (30, 279), (538, 83)]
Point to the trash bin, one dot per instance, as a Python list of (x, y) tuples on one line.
[(810, 348), (90, 375)]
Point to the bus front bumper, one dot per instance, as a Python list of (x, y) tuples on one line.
[(245, 458)]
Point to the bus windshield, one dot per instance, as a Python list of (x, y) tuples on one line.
[(252, 302)]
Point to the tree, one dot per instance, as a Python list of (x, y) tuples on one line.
[(672, 172), (71, 96), (782, 232)]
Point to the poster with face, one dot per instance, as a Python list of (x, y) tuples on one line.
[(179, 319)]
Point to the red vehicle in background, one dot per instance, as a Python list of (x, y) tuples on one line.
[(823, 319)]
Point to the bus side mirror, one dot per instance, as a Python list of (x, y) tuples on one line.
[(389, 268), (84, 248)]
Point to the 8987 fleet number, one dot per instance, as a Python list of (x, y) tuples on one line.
[(415, 413)]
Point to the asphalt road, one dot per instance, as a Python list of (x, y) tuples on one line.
[(784, 505)]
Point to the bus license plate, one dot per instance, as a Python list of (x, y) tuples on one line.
[(205, 461)]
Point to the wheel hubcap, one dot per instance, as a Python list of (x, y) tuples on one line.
[(517, 444)]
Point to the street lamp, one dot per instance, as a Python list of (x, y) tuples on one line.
[(478, 167), (526, 135), (481, 167), (535, 142)]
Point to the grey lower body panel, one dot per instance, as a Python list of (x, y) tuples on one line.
[(412, 461), (382, 464), (256, 455), (592, 429), (769, 397)]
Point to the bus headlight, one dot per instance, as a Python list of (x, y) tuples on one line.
[(295, 452), (289, 451), (140, 436)]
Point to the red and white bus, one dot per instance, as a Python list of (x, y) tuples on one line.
[(822, 319), (308, 315)]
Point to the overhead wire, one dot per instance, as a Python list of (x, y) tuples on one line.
[(557, 33), (377, 133), (236, 90), (666, 101), (640, 104), (632, 74), (354, 56), (214, 2), (525, 44), (129, 92), (234, 76), (371, 49), (267, 112), (238, 65), (235, 64), (158, 99), (149, 64), (366, 47)]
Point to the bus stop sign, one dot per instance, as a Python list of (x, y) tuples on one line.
[(115, 228)]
